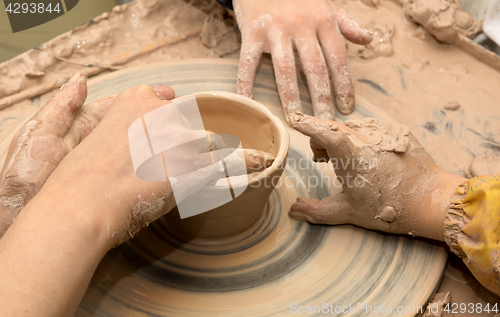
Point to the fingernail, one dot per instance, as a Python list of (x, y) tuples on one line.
[(345, 103), (268, 159), (71, 80)]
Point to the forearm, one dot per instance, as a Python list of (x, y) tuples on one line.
[(6, 218), (48, 256)]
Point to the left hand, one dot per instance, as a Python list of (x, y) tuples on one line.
[(389, 182), (40, 145), (314, 28)]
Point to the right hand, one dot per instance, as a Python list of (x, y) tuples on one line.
[(315, 29), (41, 144), (98, 175)]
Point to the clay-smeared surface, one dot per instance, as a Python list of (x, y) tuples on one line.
[(412, 85), (280, 262), (257, 129)]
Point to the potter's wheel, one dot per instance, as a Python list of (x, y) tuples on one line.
[(280, 263)]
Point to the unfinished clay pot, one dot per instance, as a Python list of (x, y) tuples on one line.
[(257, 128)]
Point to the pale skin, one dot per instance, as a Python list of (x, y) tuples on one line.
[(91, 202), (55, 130), (46, 139), (314, 28)]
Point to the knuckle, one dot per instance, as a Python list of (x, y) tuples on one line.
[(316, 66), (284, 66)]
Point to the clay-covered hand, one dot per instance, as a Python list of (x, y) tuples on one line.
[(40, 145), (315, 29), (99, 175), (389, 182)]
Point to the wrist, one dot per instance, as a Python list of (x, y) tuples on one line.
[(10, 206), (59, 243), (429, 221)]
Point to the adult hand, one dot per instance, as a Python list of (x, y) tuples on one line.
[(314, 28), (389, 182), (40, 145), (90, 203), (99, 172)]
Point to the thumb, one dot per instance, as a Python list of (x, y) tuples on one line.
[(350, 28), (334, 210)]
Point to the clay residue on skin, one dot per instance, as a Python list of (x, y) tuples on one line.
[(372, 162), (380, 170), (388, 138), (143, 213), (484, 164), (14, 202), (381, 45), (27, 173)]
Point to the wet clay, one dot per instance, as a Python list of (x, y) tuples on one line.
[(281, 261), (452, 105), (378, 159), (484, 164), (257, 129), (412, 85), (444, 19), (121, 37), (416, 82), (381, 44), (384, 201)]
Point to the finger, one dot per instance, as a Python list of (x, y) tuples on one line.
[(86, 121), (215, 141), (334, 210), (284, 69), (257, 161), (138, 101), (350, 28), (254, 160), (250, 54), (91, 114), (59, 112), (336, 57), (319, 152), (326, 134), (164, 92), (314, 66)]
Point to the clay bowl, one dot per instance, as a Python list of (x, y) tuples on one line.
[(257, 128)]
